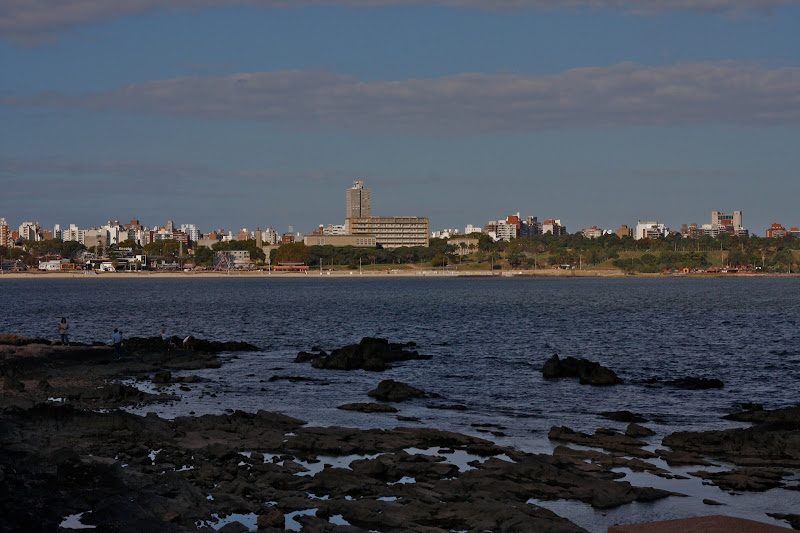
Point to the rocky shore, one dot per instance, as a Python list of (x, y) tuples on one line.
[(72, 457)]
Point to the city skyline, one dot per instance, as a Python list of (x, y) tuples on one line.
[(598, 113)]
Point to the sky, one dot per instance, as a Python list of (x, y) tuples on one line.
[(245, 113)]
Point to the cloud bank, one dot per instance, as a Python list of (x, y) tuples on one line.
[(622, 95), (30, 22)]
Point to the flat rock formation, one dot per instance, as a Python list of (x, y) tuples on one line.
[(762, 452)]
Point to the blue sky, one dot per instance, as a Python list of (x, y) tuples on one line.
[(260, 115)]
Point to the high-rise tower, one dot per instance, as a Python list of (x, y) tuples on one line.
[(359, 201)]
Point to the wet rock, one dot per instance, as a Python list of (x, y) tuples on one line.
[(624, 416), (273, 518), (368, 407), (760, 416), (774, 442), (745, 479), (606, 439), (793, 519), (389, 390), (637, 431), (162, 377), (678, 458), (588, 372), (695, 383), (711, 502), (372, 354)]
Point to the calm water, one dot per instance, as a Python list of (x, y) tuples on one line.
[(489, 339)]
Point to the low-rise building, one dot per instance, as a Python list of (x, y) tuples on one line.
[(358, 241), (624, 231), (464, 245), (592, 233)]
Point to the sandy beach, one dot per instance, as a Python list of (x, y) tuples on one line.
[(407, 273)]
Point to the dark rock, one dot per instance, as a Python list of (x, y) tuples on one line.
[(43, 385), (745, 479), (10, 339), (12, 384), (368, 407), (760, 416), (712, 502), (624, 416), (793, 519), (271, 519), (389, 390), (602, 438), (695, 383), (162, 377), (588, 372), (637, 431), (370, 354)]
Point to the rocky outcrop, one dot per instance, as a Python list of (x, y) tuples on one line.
[(695, 383), (373, 354), (389, 390), (588, 372)]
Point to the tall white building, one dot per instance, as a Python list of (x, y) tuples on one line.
[(30, 231), (650, 229), (192, 231)]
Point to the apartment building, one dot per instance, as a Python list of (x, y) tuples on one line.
[(392, 232)]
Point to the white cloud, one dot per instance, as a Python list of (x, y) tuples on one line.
[(29, 22), (621, 95)]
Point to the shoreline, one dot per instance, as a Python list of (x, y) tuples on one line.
[(64, 409), (416, 273)]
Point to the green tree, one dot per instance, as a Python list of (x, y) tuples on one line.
[(292, 253)]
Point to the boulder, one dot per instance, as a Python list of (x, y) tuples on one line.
[(636, 431), (588, 372), (389, 390)]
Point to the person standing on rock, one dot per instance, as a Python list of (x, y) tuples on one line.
[(116, 340), (63, 330)]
